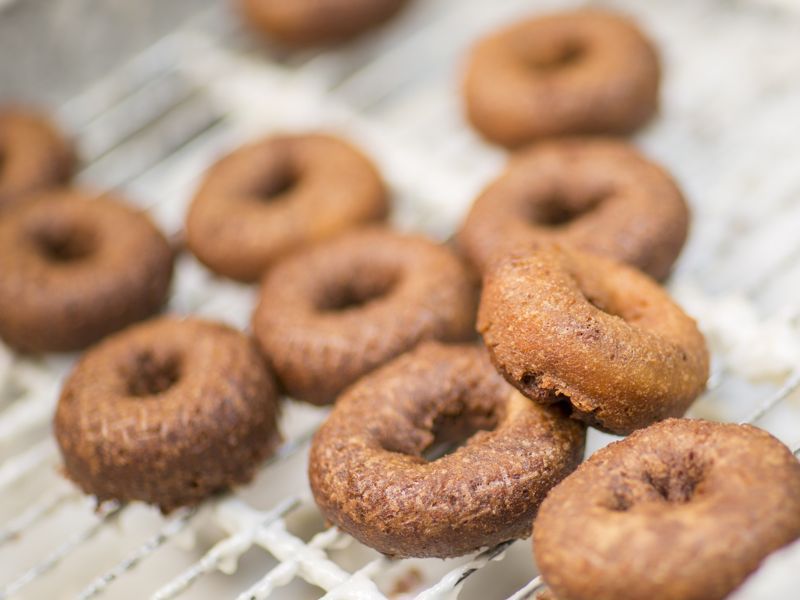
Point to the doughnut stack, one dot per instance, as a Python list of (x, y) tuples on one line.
[(463, 377)]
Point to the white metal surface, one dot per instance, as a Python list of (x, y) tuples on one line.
[(728, 129)]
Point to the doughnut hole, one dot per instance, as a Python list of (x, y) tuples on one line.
[(670, 478), (613, 298), (277, 185), (64, 242), (352, 293), (551, 58), (445, 426), (453, 428), (562, 207), (151, 375)]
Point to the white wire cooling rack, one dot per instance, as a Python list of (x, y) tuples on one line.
[(728, 129)]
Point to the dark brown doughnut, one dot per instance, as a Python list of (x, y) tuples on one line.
[(581, 72), (270, 198), (34, 155), (317, 22), (167, 412), (598, 195), (682, 510), (567, 327), (74, 268), (330, 314), (370, 477)]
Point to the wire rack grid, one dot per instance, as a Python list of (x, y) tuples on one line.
[(728, 129)]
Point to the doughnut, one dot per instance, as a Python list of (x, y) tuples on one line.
[(598, 336), (581, 72), (599, 195), (370, 475), (167, 412), (682, 510), (33, 155), (271, 197), (331, 313), (317, 22), (74, 268)]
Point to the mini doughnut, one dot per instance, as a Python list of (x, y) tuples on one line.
[(317, 22), (74, 268), (598, 195), (330, 314), (369, 474), (580, 72), (271, 197), (33, 155), (567, 327), (167, 412), (682, 510)]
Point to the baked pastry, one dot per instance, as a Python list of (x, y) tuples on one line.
[(682, 510), (331, 313), (270, 198), (598, 195), (317, 22), (586, 71), (167, 412), (370, 476), (595, 335), (34, 155), (75, 267)]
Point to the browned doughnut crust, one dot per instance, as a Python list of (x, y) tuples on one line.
[(682, 510), (167, 412), (369, 475), (33, 155), (316, 22), (330, 314), (599, 195), (271, 197), (568, 327), (581, 72), (74, 268)]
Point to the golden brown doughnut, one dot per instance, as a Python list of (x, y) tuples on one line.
[(34, 155), (370, 476), (335, 311), (601, 337), (599, 195), (682, 510), (167, 412), (271, 197), (581, 72), (317, 22), (74, 268)]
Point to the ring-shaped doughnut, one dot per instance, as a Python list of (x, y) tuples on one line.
[(582, 72), (370, 476), (599, 195), (271, 197), (167, 412), (34, 155), (682, 510), (567, 327), (74, 268), (331, 313), (317, 22)]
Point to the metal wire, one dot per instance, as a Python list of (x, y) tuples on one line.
[(171, 528), (223, 552), (106, 513), (529, 590), (788, 388)]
